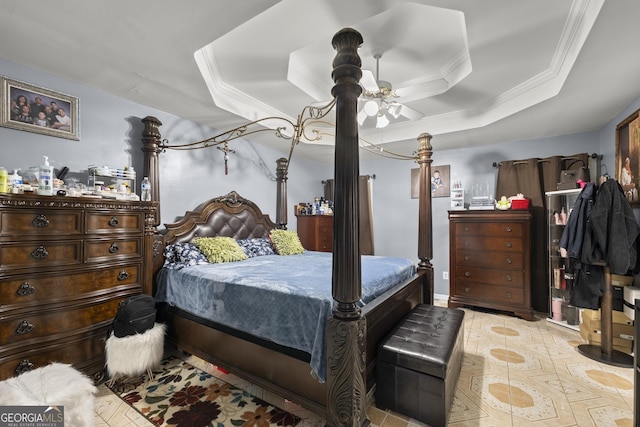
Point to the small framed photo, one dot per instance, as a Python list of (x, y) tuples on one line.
[(35, 109), (439, 182)]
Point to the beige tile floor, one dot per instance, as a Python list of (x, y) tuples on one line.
[(515, 373)]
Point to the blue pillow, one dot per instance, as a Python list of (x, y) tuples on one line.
[(257, 246), (180, 255)]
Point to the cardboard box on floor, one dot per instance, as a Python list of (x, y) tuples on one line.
[(617, 280), (619, 330), (620, 344), (617, 317)]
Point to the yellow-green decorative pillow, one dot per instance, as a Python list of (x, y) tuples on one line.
[(286, 242), (220, 249)]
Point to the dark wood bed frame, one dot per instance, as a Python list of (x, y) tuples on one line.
[(352, 334)]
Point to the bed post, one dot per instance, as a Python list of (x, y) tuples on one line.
[(151, 140), (346, 390), (281, 192), (425, 228)]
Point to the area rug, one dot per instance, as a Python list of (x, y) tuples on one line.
[(183, 395)]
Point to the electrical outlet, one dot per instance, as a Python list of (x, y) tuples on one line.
[(445, 275)]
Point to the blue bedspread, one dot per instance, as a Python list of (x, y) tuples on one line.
[(284, 299)]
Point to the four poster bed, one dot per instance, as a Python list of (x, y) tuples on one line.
[(353, 319)]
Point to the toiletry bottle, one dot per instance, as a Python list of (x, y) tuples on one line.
[(145, 190), (15, 183), (3, 180), (563, 216), (45, 178)]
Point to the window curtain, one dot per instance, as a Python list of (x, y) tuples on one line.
[(533, 178), (366, 211)]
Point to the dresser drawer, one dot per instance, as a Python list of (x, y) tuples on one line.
[(40, 223), (99, 222), (489, 292), (325, 240), (492, 276), (495, 229), (48, 323), (102, 250), (508, 260), (489, 244), (42, 254), (26, 291), (82, 351), (324, 221)]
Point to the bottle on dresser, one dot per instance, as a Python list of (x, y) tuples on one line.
[(145, 190)]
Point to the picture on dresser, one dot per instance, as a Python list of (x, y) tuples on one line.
[(35, 109), (440, 185)]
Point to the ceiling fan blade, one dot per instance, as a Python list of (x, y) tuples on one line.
[(410, 113), (368, 81)]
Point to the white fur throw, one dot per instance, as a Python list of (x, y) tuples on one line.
[(56, 384), (135, 354)]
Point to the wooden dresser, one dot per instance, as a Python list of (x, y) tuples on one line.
[(65, 265), (490, 260), (316, 232)]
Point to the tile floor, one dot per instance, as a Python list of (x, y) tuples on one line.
[(515, 373)]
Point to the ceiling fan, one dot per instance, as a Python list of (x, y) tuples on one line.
[(379, 99)]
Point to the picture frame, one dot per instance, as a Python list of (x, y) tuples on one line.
[(14, 114), (440, 183), (628, 157)]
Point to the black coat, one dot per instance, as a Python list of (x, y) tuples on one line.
[(573, 233), (610, 235), (611, 231)]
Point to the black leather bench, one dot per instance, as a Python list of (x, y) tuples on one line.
[(418, 364)]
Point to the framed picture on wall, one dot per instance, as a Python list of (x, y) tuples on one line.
[(628, 156), (35, 109), (440, 185)]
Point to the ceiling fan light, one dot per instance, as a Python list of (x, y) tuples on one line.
[(382, 121), (370, 108), (394, 110)]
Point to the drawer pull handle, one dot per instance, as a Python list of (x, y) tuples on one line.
[(467, 229), (509, 244), (40, 253), (24, 327), (467, 289), (509, 261), (113, 222), (508, 229), (24, 366), (467, 257), (40, 221), (508, 294), (508, 277), (25, 289), (466, 243), (123, 275), (114, 248), (467, 274)]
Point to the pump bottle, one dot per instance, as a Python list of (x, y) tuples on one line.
[(45, 178)]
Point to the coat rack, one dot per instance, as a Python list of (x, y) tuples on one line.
[(605, 352)]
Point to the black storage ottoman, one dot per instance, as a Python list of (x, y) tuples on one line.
[(418, 364)]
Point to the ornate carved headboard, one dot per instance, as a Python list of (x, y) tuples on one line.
[(230, 216)]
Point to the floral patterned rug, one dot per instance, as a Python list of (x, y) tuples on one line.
[(182, 395)]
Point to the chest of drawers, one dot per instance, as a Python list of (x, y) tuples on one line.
[(490, 260), (316, 232), (65, 265)]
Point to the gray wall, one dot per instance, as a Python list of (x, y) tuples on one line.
[(110, 132)]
